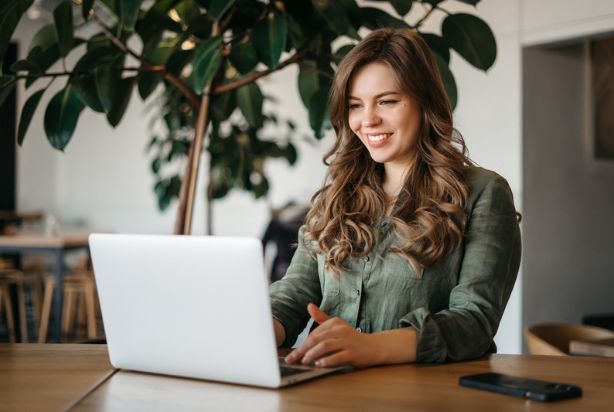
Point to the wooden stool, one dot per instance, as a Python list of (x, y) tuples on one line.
[(10, 278), (75, 286)]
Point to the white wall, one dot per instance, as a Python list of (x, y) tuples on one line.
[(104, 179)]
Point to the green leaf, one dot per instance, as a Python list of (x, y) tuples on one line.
[(7, 84), (10, 14), (318, 110), (269, 37), (26, 115), (121, 98), (304, 22), (336, 17), (448, 80), (207, 60), (150, 26), (178, 60), (24, 66), (155, 165), (61, 117), (86, 7), (62, 16), (244, 57), (438, 45), (83, 77), (249, 99), (308, 80), (341, 52), (44, 38), (85, 86), (147, 82), (112, 5), (104, 77), (471, 37), (291, 154), (219, 7), (223, 106), (375, 18), (129, 11)]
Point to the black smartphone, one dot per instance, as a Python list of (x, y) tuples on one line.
[(533, 389)]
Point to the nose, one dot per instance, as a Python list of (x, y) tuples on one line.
[(370, 117)]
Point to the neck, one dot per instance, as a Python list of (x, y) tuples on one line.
[(394, 178)]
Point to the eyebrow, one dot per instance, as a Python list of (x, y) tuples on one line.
[(377, 96)]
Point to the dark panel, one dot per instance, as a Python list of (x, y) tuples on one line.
[(7, 141)]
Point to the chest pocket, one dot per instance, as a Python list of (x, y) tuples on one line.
[(328, 281)]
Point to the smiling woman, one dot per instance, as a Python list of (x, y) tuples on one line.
[(409, 252)]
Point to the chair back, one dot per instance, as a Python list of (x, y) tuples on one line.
[(553, 339)]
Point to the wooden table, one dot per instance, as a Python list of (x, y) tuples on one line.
[(57, 246), (392, 388), (50, 377)]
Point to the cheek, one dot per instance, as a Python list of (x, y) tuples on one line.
[(353, 122)]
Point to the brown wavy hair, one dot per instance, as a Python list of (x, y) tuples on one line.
[(428, 219)]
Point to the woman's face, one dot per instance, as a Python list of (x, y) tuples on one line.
[(384, 118)]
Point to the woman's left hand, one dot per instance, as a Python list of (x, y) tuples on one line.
[(335, 342)]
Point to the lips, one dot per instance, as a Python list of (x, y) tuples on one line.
[(378, 139)]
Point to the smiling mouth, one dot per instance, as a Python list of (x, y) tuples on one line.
[(379, 139)]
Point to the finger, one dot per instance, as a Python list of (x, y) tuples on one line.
[(318, 316), (312, 340), (322, 349), (336, 359)]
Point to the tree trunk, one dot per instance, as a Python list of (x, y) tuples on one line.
[(183, 224)]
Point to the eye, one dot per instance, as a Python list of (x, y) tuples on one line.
[(353, 106), (387, 102)]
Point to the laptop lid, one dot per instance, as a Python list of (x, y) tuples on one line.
[(193, 306)]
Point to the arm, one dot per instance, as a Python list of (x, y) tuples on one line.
[(290, 295), (280, 333), (490, 264), (335, 342)]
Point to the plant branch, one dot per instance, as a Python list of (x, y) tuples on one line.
[(168, 76), (252, 77), (426, 16)]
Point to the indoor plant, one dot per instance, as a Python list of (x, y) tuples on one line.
[(204, 57)]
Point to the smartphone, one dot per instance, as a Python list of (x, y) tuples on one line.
[(533, 389)]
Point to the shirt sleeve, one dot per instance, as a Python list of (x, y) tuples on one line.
[(299, 287), (466, 329)]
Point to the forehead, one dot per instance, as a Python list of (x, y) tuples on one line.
[(372, 79)]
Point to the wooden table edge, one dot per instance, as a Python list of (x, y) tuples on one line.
[(91, 389)]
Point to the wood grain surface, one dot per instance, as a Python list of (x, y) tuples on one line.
[(392, 388), (50, 377)]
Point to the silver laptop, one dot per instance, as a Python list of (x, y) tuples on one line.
[(192, 306)]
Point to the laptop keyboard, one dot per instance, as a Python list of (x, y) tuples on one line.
[(288, 371)]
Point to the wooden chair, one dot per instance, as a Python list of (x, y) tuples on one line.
[(9, 278), (80, 303), (553, 339)]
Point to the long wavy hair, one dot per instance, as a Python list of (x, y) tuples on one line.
[(428, 219)]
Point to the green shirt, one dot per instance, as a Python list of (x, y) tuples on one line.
[(455, 304)]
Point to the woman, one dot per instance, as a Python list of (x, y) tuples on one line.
[(409, 253)]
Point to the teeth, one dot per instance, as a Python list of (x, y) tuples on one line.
[(377, 137)]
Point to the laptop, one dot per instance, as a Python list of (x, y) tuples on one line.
[(190, 306)]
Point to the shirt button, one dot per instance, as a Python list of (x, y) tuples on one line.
[(367, 258), (359, 330), (357, 292)]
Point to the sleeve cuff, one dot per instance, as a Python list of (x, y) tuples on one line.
[(431, 345)]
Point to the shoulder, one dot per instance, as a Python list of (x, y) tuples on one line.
[(486, 185)]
